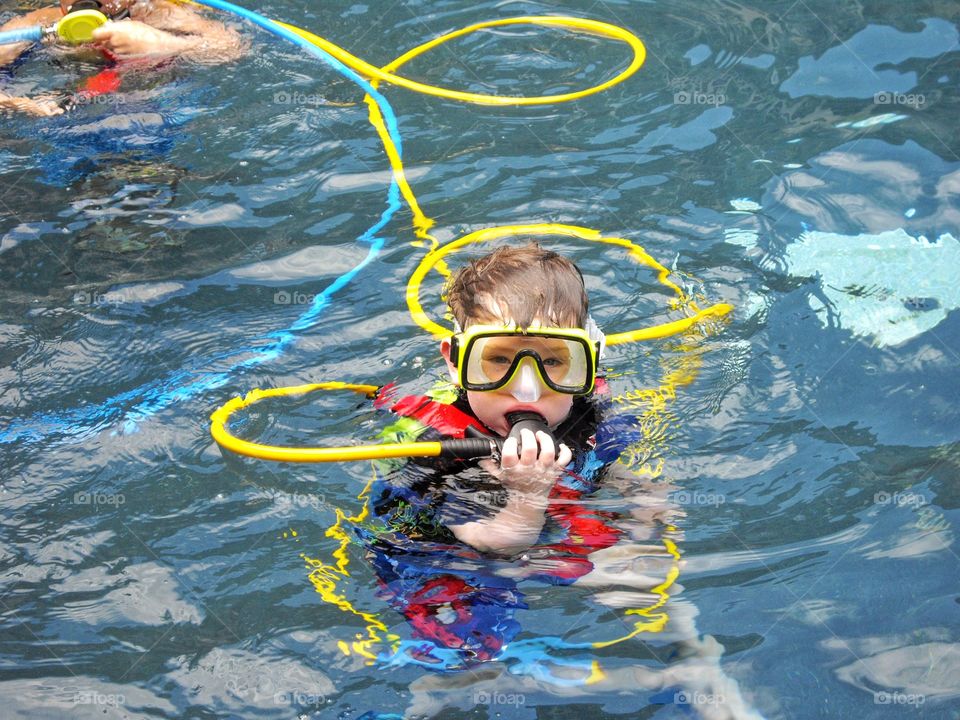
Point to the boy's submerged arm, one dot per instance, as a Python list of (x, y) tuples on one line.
[(514, 529), (528, 470), (457, 504)]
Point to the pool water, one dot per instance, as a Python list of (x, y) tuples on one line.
[(209, 230)]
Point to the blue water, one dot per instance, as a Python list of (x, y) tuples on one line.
[(210, 230)]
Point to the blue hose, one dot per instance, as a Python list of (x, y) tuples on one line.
[(80, 423), (30, 34)]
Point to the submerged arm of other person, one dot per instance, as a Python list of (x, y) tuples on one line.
[(527, 473), (38, 106), (9, 53), (45, 16)]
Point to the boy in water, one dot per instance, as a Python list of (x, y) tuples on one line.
[(152, 29), (524, 343)]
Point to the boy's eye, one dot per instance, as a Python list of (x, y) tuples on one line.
[(497, 358)]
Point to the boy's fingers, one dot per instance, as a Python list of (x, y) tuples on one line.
[(528, 447), (547, 451), (565, 456), (508, 454)]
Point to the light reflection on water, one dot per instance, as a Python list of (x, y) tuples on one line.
[(809, 468)]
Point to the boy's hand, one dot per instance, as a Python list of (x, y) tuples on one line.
[(132, 37), (531, 468), (528, 472)]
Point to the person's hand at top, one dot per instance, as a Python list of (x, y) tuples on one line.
[(153, 28), (129, 38), (161, 27)]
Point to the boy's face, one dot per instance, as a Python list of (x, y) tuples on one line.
[(525, 392)]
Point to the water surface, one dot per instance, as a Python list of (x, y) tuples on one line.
[(158, 254)]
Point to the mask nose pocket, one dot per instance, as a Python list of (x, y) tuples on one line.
[(526, 386)]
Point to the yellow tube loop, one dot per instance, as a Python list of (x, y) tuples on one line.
[(386, 74), (421, 222), (635, 252), (221, 416)]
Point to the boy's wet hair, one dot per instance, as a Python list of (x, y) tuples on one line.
[(526, 284)]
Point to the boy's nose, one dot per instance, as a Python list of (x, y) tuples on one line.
[(526, 385)]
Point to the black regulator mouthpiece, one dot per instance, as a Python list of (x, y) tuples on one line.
[(479, 444), (527, 421)]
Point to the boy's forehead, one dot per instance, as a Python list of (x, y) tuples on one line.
[(499, 310)]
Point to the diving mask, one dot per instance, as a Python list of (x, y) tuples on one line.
[(489, 357)]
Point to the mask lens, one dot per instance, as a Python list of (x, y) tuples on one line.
[(561, 362)]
